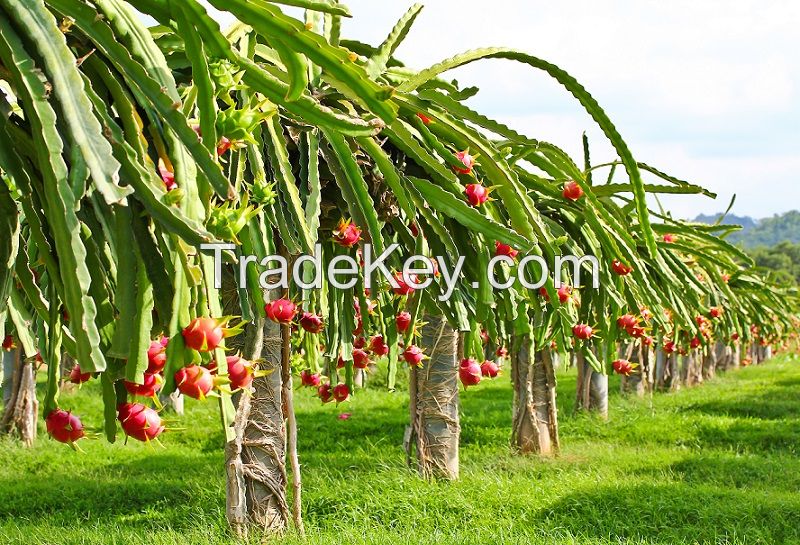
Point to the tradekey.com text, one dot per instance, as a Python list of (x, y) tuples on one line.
[(417, 272)]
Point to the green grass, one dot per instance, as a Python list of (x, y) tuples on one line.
[(715, 464)]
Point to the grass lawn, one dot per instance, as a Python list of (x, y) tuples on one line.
[(715, 464)]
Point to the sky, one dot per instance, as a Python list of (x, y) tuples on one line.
[(706, 90)]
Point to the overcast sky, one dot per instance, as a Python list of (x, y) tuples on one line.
[(706, 90)]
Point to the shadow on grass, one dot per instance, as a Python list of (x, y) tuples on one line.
[(738, 472), (789, 382), (770, 404), (671, 513), (758, 436), (160, 491), (766, 420)]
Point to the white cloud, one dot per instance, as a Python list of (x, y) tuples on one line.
[(763, 185), (705, 90), (708, 91)]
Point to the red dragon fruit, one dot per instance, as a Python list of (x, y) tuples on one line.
[(504, 249), (476, 194), (636, 331), (150, 386), (489, 369), (435, 267), (467, 160), (224, 145), (157, 355), (359, 326), (378, 346), (240, 372), (341, 393), (583, 332), (204, 334), (309, 379), (311, 322), (281, 311), (403, 321), (167, 176), (63, 426), (324, 393), (76, 376), (620, 268), (700, 320), (194, 381), (360, 358), (9, 343), (469, 372), (544, 294), (572, 191), (140, 422), (402, 287), (622, 367), (564, 294), (501, 352), (627, 321), (413, 355), (347, 234)]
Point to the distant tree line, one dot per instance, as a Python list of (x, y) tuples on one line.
[(763, 232), (783, 259), (773, 242)]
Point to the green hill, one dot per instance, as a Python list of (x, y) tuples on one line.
[(763, 232)]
